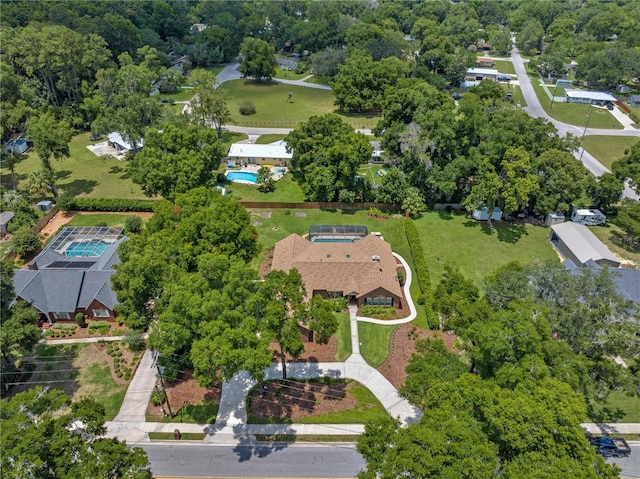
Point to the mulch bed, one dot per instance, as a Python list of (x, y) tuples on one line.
[(313, 352), (114, 330)]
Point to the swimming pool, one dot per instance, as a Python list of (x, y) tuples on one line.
[(85, 248), (242, 176)]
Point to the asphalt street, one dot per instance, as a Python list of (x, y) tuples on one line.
[(630, 465), (255, 460)]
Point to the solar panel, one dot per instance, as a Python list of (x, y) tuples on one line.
[(72, 264)]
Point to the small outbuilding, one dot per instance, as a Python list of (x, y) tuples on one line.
[(575, 242), (45, 205), (115, 140), (16, 146), (634, 100), (554, 219), (481, 214), (5, 219)]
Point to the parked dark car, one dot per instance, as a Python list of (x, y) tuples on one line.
[(610, 446)]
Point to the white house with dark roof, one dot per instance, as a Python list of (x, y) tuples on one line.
[(73, 275)]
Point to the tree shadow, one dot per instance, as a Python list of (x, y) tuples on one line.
[(445, 215), (604, 415), (77, 187), (249, 447), (348, 212), (118, 169), (62, 174), (509, 233)]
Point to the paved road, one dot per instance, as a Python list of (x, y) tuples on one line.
[(534, 108), (630, 465), (255, 460)]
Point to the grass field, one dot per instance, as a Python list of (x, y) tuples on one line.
[(612, 236), (343, 335), (319, 80), (272, 108), (80, 371), (477, 249), (572, 113), (504, 67), (630, 406), (517, 97), (286, 190), (608, 149), (185, 436), (270, 138), (83, 173), (284, 74), (183, 94), (374, 342), (111, 219), (370, 171)]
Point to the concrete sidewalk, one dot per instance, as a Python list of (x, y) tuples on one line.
[(137, 397)]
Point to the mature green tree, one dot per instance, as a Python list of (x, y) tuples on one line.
[(321, 319), (124, 96), (393, 188), (519, 182), (453, 293), (562, 179), (209, 104), (282, 309), (361, 82), (25, 242), (265, 180), (605, 191), (628, 167), (530, 37), (485, 190), (45, 435), (629, 219), (327, 62), (51, 138), (176, 159), (413, 204), (257, 59)]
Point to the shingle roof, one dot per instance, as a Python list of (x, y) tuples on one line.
[(6, 216), (346, 267), (582, 242)]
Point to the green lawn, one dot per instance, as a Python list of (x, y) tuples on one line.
[(504, 66), (343, 335), (319, 80), (204, 412), (83, 173), (374, 342), (270, 138), (284, 74), (98, 382), (183, 94), (272, 108), (613, 238), (111, 219), (286, 190), (370, 171), (608, 149), (630, 406), (517, 98), (185, 436), (573, 113), (477, 249)]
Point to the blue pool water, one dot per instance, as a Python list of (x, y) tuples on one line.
[(242, 176), (86, 248), (333, 240)]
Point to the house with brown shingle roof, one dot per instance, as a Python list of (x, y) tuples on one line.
[(363, 271)]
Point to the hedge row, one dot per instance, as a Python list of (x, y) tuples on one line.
[(422, 272), (109, 204)]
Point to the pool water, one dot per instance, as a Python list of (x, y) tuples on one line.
[(242, 176), (86, 248), (333, 240)]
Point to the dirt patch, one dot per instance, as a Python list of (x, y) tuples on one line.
[(403, 345), (186, 390), (265, 264), (290, 400)]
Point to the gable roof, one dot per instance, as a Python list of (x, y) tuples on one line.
[(347, 267), (6, 216), (249, 150), (583, 243)]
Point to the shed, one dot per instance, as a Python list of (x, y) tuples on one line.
[(634, 100), (554, 219), (563, 83), (575, 242), (16, 146), (623, 89), (116, 141), (5, 219), (481, 214), (45, 205)]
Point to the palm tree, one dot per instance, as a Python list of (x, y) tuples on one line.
[(38, 184)]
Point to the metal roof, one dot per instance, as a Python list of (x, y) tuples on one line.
[(6, 216), (582, 242), (482, 71), (591, 95), (249, 150)]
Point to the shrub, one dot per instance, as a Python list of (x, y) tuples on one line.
[(80, 320), (381, 312), (110, 204), (422, 272), (401, 278), (170, 369), (65, 202), (133, 224), (135, 340), (64, 326), (119, 374), (246, 107), (157, 398), (338, 304), (99, 324), (25, 242)]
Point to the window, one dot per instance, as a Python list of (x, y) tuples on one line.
[(100, 313), (335, 294), (60, 315), (389, 301)]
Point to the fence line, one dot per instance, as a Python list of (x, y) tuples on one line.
[(45, 219), (318, 205)]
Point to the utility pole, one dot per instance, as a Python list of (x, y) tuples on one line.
[(554, 95), (164, 389), (586, 125)]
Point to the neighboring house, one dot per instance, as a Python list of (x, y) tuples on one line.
[(563, 83), (5, 219), (589, 97), (575, 242), (274, 154), (624, 89), (479, 74), (73, 275), (485, 62), (116, 141), (634, 100), (363, 271), (626, 280)]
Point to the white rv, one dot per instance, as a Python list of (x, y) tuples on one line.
[(588, 217)]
